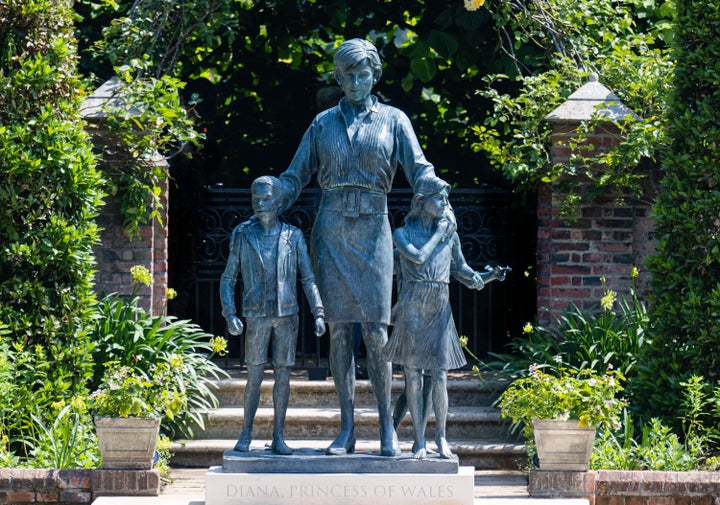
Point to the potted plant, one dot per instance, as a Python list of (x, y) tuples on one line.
[(128, 408), (560, 412)]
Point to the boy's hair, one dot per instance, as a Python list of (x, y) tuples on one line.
[(271, 181)]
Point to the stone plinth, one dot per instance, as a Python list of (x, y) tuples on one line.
[(313, 478), (226, 488)]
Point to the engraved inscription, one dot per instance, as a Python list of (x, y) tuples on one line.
[(340, 491), (257, 491)]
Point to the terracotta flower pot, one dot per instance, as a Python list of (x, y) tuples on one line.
[(127, 442)]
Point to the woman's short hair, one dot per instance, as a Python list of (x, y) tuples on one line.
[(353, 51)]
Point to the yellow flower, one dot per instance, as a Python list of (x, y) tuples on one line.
[(606, 302), (176, 361), (528, 328), (473, 5), (634, 272), (170, 294), (463, 341), (141, 275), (219, 345), (78, 403)]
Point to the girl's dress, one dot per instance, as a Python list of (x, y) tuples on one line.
[(424, 334)]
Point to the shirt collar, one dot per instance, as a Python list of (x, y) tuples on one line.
[(343, 105)]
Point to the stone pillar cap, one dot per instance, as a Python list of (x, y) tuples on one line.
[(590, 101), (93, 107)]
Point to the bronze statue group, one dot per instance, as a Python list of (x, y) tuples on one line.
[(353, 150)]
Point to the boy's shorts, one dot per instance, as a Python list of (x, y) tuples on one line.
[(260, 331)]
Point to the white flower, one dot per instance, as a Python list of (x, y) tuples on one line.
[(473, 5)]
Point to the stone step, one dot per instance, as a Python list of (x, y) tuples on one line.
[(305, 393), (318, 422), (482, 454)]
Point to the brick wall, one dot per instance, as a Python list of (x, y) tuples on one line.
[(117, 253), (605, 242), (624, 487), (74, 487)]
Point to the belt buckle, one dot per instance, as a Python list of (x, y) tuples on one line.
[(351, 203)]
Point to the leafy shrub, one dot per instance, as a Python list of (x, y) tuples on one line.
[(126, 335), (50, 197), (144, 124), (69, 442), (658, 446), (579, 37), (597, 339), (686, 266), (658, 449)]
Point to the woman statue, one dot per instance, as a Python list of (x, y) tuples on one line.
[(354, 149)]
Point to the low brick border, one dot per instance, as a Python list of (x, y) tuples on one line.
[(622, 487), (73, 487)]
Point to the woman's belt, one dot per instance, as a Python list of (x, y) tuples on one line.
[(352, 202)]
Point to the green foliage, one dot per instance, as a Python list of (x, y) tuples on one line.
[(127, 336), (701, 416), (659, 447), (164, 444), (599, 339), (7, 385), (47, 230), (140, 43), (572, 40), (69, 442), (165, 33), (686, 266), (585, 396), (143, 124), (128, 392), (613, 448)]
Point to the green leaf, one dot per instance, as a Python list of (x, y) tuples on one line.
[(445, 44), (423, 68)]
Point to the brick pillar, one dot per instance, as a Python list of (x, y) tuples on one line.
[(605, 242), (117, 253), (608, 239)]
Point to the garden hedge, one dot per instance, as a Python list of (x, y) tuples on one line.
[(49, 196), (685, 308)]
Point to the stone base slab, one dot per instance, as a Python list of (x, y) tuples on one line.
[(308, 460), (228, 488)]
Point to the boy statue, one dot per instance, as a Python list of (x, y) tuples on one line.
[(268, 254)]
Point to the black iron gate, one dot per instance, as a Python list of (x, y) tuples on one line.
[(487, 225)]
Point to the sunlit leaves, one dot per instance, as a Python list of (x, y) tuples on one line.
[(50, 191)]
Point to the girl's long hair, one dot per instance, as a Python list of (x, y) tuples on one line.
[(426, 187)]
